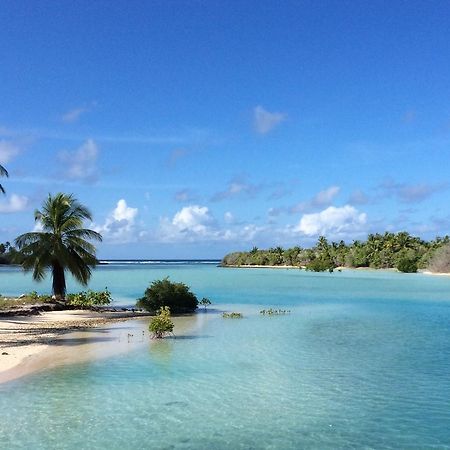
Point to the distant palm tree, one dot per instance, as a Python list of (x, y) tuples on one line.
[(61, 245), (3, 173)]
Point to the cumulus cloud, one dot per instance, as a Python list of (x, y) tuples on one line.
[(265, 121), (119, 226), (81, 164), (8, 150), (410, 193), (333, 221), (14, 203), (191, 224), (320, 200)]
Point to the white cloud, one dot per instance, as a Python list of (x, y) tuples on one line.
[(228, 217), (119, 226), (194, 219), (185, 195), (81, 164), (8, 151), (14, 203), (333, 222), (320, 200), (191, 224), (358, 197), (265, 121), (235, 188), (73, 115)]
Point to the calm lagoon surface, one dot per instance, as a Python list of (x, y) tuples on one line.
[(362, 361)]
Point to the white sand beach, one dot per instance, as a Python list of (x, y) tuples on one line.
[(35, 343)]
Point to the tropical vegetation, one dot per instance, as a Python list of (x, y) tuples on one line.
[(161, 324), (401, 250), (62, 245), (274, 312), (89, 298), (232, 315), (177, 296), (3, 173), (204, 302)]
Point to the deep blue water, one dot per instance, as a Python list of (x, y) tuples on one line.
[(362, 361)]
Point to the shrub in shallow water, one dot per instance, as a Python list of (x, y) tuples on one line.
[(274, 312), (161, 324), (204, 302), (177, 296), (232, 315)]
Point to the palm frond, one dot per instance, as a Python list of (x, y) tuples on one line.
[(3, 172)]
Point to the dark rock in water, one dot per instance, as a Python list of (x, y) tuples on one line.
[(5, 353)]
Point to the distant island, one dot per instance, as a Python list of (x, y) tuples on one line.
[(399, 251)]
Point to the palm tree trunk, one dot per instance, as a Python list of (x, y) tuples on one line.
[(59, 281)]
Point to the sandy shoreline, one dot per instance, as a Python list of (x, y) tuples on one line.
[(341, 268), (30, 344)]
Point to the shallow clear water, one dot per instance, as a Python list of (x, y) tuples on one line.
[(363, 361)]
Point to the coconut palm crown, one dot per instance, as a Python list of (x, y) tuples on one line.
[(61, 245), (3, 172)]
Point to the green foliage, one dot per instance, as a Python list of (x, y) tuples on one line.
[(379, 251), (88, 299), (407, 265), (274, 312), (160, 293), (232, 315), (204, 302), (33, 295), (28, 299), (8, 254), (61, 245), (320, 265), (161, 324)]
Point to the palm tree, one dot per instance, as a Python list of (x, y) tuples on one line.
[(61, 245), (3, 172)]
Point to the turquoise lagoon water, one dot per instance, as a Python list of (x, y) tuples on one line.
[(363, 361)]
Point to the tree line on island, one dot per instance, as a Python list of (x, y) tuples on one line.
[(401, 251)]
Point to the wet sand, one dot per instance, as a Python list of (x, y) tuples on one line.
[(31, 344)]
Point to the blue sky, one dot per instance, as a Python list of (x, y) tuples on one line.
[(194, 128)]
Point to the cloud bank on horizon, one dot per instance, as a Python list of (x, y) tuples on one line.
[(185, 141)]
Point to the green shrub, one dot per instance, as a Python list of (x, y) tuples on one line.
[(232, 315), (407, 265), (320, 265), (204, 302), (88, 299), (274, 312), (161, 324), (177, 296)]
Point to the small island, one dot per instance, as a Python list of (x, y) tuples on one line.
[(400, 251)]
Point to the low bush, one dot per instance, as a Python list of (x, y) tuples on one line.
[(407, 265), (88, 299), (232, 315), (161, 324), (205, 302), (320, 265), (177, 296)]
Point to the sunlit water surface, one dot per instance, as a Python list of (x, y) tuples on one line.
[(362, 361)]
